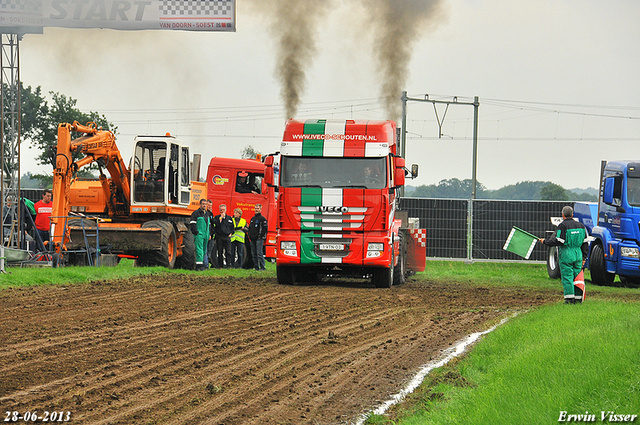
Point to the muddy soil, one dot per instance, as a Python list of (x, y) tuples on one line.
[(193, 349)]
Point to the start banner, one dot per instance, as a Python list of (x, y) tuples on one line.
[(191, 15)]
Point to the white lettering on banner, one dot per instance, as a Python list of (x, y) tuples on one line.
[(333, 137), (201, 15), (97, 9)]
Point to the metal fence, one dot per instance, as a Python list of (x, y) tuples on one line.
[(478, 229), (34, 195)]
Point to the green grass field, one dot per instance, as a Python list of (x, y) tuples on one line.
[(558, 358), (579, 359), (17, 277)]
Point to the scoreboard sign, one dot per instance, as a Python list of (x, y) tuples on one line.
[(191, 15)]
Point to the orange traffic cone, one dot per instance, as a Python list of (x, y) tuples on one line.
[(578, 286)]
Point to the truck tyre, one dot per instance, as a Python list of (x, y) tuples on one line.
[(383, 277), (553, 267), (599, 274), (166, 257), (399, 270), (286, 275), (187, 260), (245, 254)]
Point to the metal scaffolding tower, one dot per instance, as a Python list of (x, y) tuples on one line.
[(10, 234)]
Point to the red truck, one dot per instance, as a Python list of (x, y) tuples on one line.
[(337, 203)]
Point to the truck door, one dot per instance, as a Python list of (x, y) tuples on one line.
[(185, 178)]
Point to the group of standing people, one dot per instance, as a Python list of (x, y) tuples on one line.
[(227, 233)]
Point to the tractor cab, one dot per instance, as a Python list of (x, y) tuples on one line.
[(160, 171)]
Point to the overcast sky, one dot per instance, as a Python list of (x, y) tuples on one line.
[(558, 83)]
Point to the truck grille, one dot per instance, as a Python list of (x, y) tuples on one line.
[(312, 219)]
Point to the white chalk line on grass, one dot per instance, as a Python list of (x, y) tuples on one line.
[(448, 355)]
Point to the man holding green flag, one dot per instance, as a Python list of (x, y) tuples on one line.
[(571, 240)]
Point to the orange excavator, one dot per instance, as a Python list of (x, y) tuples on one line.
[(141, 211)]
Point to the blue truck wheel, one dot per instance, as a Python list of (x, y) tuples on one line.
[(599, 274)]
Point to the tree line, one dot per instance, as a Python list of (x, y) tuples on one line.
[(526, 190)]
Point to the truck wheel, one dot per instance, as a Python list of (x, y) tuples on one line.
[(599, 274), (399, 270), (188, 259), (286, 275), (553, 269), (245, 254), (383, 277), (166, 257)]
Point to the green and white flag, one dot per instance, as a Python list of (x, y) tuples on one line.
[(520, 242)]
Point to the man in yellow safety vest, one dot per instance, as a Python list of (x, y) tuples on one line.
[(237, 239)]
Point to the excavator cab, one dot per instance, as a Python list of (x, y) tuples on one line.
[(160, 171)]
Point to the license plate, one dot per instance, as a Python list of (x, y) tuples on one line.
[(331, 247)]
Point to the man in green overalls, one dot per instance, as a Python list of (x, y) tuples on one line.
[(199, 226), (571, 240)]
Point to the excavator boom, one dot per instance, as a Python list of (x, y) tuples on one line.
[(98, 146)]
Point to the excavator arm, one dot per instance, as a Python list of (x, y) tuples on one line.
[(98, 146)]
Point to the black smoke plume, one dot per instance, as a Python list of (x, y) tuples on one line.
[(397, 26)]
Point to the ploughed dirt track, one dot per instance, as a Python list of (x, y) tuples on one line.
[(193, 349)]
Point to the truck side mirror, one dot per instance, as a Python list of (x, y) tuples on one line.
[(398, 176), (414, 171), (608, 191), (268, 172)]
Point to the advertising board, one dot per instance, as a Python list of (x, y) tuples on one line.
[(190, 15)]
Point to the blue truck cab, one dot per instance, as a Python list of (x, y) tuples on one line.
[(615, 246)]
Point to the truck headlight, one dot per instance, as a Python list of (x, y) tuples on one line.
[(288, 248), (626, 251), (287, 245), (374, 249)]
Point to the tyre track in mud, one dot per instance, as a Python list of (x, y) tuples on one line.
[(191, 349)]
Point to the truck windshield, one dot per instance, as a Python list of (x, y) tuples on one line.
[(364, 173), (633, 191)]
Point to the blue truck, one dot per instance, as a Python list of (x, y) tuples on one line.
[(613, 225)]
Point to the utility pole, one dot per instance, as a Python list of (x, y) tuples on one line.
[(474, 183), (454, 101)]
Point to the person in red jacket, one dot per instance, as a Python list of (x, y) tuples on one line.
[(43, 212)]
